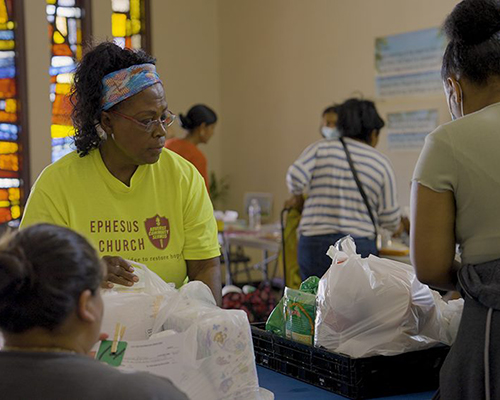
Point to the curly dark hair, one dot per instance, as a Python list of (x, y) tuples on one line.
[(473, 51), (87, 89)]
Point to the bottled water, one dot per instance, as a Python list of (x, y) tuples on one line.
[(254, 215)]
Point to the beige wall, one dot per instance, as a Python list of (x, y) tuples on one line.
[(37, 59), (186, 45), (268, 67), (283, 61), (186, 48)]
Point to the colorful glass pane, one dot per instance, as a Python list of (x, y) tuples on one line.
[(65, 33), (10, 128), (129, 23)]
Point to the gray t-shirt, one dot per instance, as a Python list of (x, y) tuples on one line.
[(61, 376), (463, 157)]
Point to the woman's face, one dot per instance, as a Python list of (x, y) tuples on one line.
[(207, 132), (132, 144), (330, 120)]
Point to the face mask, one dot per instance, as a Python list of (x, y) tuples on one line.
[(330, 133)]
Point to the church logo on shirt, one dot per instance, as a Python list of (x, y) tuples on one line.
[(158, 230)]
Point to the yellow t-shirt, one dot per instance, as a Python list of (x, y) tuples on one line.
[(162, 219)]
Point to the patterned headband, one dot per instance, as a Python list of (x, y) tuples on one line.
[(124, 83)]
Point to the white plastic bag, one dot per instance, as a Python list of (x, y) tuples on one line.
[(221, 341), (136, 307), (451, 314), (217, 344), (370, 306)]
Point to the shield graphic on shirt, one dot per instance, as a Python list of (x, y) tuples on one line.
[(158, 231)]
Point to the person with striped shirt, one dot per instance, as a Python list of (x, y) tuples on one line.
[(333, 205)]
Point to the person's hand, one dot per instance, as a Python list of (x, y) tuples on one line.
[(119, 271), (404, 226), (296, 202), (103, 336)]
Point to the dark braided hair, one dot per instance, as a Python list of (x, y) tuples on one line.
[(357, 119), (87, 88), (473, 29), (43, 271)]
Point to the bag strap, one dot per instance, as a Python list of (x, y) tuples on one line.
[(358, 183)]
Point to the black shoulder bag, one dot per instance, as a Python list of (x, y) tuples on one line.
[(362, 192)]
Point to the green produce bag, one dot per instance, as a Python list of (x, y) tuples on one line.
[(310, 285), (300, 312), (276, 322), (302, 305)]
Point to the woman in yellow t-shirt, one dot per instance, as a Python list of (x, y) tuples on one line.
[(130, 197)]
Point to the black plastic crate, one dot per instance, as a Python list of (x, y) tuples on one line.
[(298, 353), (263, 341), (355, 378)]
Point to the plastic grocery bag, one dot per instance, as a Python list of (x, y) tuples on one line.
[(276, 321), (451, 314), (217, 347), (300, 312), (370, 306), (310, 285), (221, 341), (281, 326), (136, 307)]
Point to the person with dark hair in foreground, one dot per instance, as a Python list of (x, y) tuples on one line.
[(50, 316), (121, 189), (199, 123), (455, 198), (335, 206)]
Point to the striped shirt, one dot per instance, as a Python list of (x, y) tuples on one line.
[(334, 203)]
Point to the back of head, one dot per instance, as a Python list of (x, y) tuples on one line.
[(473, 31), (197, 115), (357, 119), (43, 271), (87, 88)]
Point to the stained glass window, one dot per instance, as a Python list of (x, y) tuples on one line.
[(68, 26), (130, 24), (13, 133)]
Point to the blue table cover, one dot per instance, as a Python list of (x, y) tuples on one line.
[(287, 388)]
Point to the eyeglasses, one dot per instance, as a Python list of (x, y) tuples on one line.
[(151, 126)]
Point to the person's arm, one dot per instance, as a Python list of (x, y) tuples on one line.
[(296, 202), (432, 236), (433, 211), (201, 246), (299, 174), (208, 272)]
